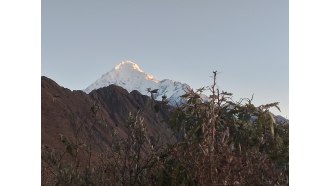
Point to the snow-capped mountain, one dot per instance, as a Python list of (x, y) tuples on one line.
[(130, 76)]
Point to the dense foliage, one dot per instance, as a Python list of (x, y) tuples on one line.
[(220, 142)]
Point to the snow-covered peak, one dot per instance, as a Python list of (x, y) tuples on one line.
[(128, 66), (130, 76)]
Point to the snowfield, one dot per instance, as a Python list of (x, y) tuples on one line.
[(130, 76)]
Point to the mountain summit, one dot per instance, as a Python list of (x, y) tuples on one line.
[(128, 66), (130, 76)]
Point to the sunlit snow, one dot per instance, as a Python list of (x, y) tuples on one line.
[(130, 76)]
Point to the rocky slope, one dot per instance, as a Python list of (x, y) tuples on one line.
[(93, 117)]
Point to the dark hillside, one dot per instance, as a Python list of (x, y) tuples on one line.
[(93, 117)]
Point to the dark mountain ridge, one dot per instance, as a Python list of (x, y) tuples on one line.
[(93, 117)]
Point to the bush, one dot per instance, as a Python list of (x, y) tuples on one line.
[(228, 143)]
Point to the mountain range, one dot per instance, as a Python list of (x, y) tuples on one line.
[(91, 117), (130, 76), (117, 93)]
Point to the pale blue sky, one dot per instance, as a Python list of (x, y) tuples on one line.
[(246, 40)]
